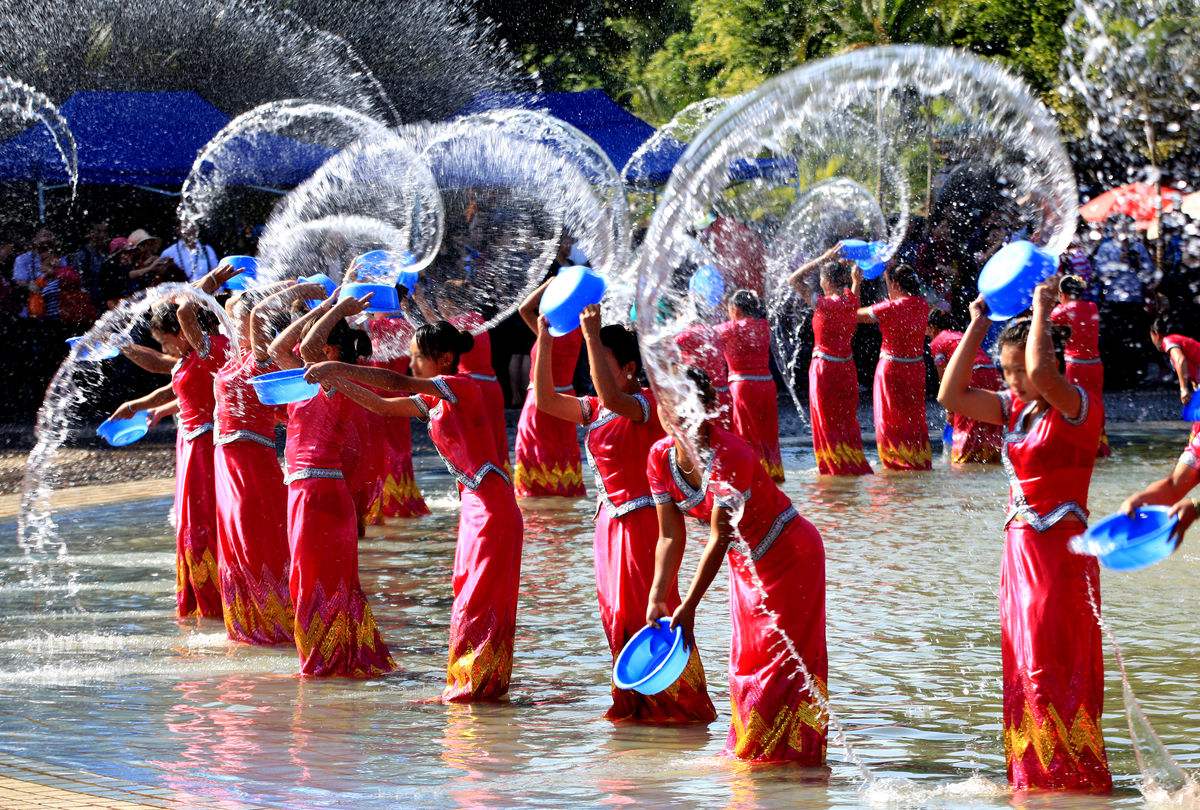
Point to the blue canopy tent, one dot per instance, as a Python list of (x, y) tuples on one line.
[(614, 129), (149, 140)]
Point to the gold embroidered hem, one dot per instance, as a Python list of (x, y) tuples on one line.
[(478, 673), (538, 479)]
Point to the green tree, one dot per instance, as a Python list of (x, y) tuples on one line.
[(884, 22)]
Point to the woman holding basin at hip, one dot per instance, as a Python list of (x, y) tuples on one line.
[(832, 376), (548, 461), (1173, 490), (775, 716), (1050, 643), (622, 424), (487, 559), (746, 344), (335, 630), (901, 433), (189, 332)]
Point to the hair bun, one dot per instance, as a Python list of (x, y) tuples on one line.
[(465, 341)]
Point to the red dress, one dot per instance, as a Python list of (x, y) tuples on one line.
[(487, 558), (255, 562), (700, 346), (775, 717), (477, 364), (833, 388), (625, 544), (335, 631), (746, 345), (398, 494), (1050, 643), (973, 442), (1084, 366), (197, 580), (901, 433), (548, 460), (1191, 353)]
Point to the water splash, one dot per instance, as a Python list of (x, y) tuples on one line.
[(317, 130), (1162, 776), (44, 550), (672, 138), (865, 116), (24, 104)]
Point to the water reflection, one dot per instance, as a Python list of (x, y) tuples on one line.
[(912, 563)]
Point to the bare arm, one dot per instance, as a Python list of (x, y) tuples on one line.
[(384, 406), (721, 533), (211, 281), (283, 346), (189, 325), (163, 411), (955, 393), (157, 397), (1179, 363), (548, 400), (1040, 359), (672, 535), (1165, 491), (529, 307), (148, 359), (796, 279), (856, 280), (276, 301), (334, 374), (312, 348), (612, 395)]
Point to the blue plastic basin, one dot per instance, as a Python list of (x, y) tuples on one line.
[(1124, 543), (386, 299), (707, 286), (566, 296), (652, 660), (1009, 277), (322, 279), (248, 266), (1191, 411), (93, 353), (858, 250), (282, 387), (120, 432), (381, 266), (948, 435)]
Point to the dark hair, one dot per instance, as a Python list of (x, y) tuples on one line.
[(1072, 286), (904, 277), (1160, 326), (747, 301), (443, 338), (165, 319), (708, 394), (351, 344), (836, 273), (1016, 333), (940, 320), (623, 343)]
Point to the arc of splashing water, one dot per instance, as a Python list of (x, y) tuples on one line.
[(1165, 773), (35, 106), (203, 181), (36, 530)]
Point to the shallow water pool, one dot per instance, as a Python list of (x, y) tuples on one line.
[(95, 673)]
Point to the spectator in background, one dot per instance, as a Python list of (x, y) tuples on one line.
[(114, 276), (1075, 261), (11, 300), (149, 268), (39, 272), (190, 255), (1121, 262), (28, 265), (89, 260)]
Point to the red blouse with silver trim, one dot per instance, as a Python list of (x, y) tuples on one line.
[(1083, 318), (746, 345), (617, 448), (733, 466), (192, 382), (457, 420), (1191, 352), (1049, 460)]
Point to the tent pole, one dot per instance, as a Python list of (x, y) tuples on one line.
[(41, 201)]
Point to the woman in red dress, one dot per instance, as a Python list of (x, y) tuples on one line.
[(548, 460), (1084, 365), (700, 347), (746, 344), (398, 495), (1184, 354), (776, 718), (972, 442), (832, 375), (1173, 490), (622, 424), (1053, 661), (335, 631), (191, 334), (487, 559), (477, 364), (901, 433), (255, 560)]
